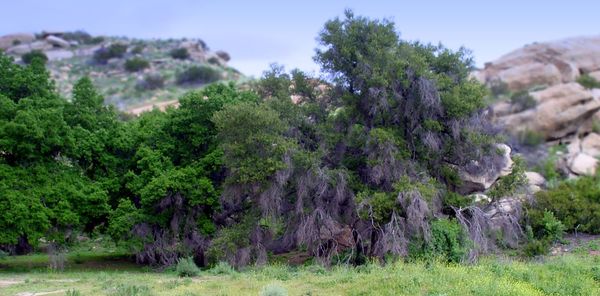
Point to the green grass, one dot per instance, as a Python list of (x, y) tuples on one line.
[(565, 275)]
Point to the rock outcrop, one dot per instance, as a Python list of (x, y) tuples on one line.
[(546, 63), (479, 182), (561, 110), (564, 111), (11, 40)]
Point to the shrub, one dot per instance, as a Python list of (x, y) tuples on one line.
[(498, 88), (34, 54), (588, 81), (180, 53), (222, 268), (73, 292), (151, 82), (136, 64), (523, 100), (530, 138), (198, 75), (575, 203), (187, 268), (138, 49), (3, 255), (214, 61), (115, 50), (16, 42), (132, 290), (448, 242), (273, 290)]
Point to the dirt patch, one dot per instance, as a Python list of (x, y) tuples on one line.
[(9, 282), (575, 241), (40, 293)]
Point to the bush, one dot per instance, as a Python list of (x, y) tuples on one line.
[(180, 53), (151, 82), (131, 290), (588, 81), (198, 75), (273, 290), (136, 64), (138, 49), (448, 242), (498, 88), (523, 100), (73, 292), (115, 50), (28, 57), (187, 268), (530, 138), (575, 203), (222, 268), (3, 255)]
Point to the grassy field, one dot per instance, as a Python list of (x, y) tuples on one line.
[(573, 274)]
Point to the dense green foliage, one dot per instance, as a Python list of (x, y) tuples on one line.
[(588, 81), (365, 164), (34, 54), (136, 64), (198, 75), (180, 53), (115, 50), (576, 203)]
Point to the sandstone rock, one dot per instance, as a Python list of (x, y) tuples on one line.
[(483, 181), (590, 145), (596, 75), (195, 49), (7, 41), (480, 198), (535, 181), (534, 178), (583, 164), (562, 109), (546, 63), (59, 54), (58, 42)]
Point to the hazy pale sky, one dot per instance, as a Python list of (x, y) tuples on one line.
[(257, 33)]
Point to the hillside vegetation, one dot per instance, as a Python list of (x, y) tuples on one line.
[(391, 158)]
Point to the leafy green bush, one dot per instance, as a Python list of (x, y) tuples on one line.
[(186, 267), (180, 53), (523, 100), (136, 64), (530, 138), (588, 81), (115, 50), (198, 75), (273, 290), (575, 203), (151, 82), (508, 185), (34, 54), (448, 242), (222, 268), (132, 290)]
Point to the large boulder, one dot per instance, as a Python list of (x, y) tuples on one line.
[(535, 181), (583, 164), (562, 109), (546, 63), (57, 41), (11, 40), (196, 49), (27, 47), (484, 179)]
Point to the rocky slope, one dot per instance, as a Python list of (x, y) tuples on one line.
[(71, 55), (550, 91)]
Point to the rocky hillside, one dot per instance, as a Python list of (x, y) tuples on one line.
[(133, 74), (548, 93)]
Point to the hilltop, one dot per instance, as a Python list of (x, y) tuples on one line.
[(133, 74)]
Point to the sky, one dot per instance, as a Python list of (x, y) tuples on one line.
[(258, 33)]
